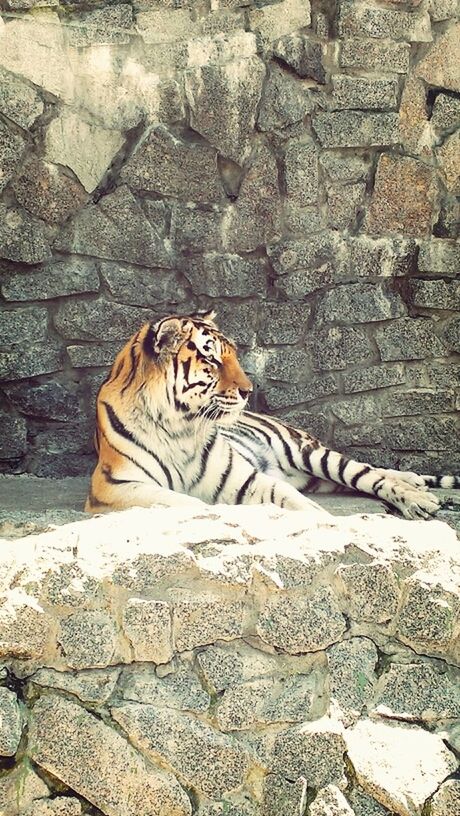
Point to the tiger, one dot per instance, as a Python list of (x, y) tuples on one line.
[(172, 429)]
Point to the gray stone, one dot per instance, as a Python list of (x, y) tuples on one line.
[(19, 788), (439, 256), (356, 128), (411, 403), (89, 640), (22, 238), (336, 348), (344, 167), (301, 172), (99, 319), (280, 795), (380, 257), (194, 230), (11, 723), (254, 218), (410, 206), (45, 191), (23, 325), (284, 101), (13, 436), (148, 627), (218, 274), (30, 361), (351, 676), (429, 615), (286, 365), (313, 750), (18, 101), (289, 255), (271, 22), (115, 228), (210, 762), (416, 691), (286, 396), (360, 92), (238, 321), (165, 163), (98, 763), (94, 686), (384, 56), (204, 619), (330, 801), (299, 624), (360, 303), (421, 434), (57, 466), (344, 204), (362, 19), (303, 220), (446, 800), (11, 149), (283, 322), (415, 763), (58, 806), (378, 376), (451, 334), (366, 434), (446, 113), (409, 339), (50, 400), (301, 283), (241, 806), (25, 629), (70, 277), (364, 805), (103, 26), (372, 591), (223, 102), (180, 689), (304, 55), (75, 437), (89, 355), (440, 65), (155, 288), (357, 410)]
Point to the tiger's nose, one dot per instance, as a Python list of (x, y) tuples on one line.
[(244, 394)]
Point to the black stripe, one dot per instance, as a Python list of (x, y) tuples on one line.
[(272, 494), (131, 459), (354, 481), (313, 484), (244, 488), (111, 479), (343, 463), (148, 343), (205, 453), (324, 466), (377, 485), (224, 477), (133, 368), (306, 453), (256, 433), (186, 367), (274, 430), (119, 428)]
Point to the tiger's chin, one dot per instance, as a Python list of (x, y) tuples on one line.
[(226, 416)]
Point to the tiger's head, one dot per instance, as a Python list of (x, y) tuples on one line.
[(199, 366)]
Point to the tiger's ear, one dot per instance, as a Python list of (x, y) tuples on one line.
[(208, 316), (168, 335)]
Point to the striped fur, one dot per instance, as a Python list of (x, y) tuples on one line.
[(172, 430)]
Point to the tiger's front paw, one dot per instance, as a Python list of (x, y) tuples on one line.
[(417, 504)]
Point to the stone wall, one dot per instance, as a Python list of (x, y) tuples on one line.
[(295, 164), (241, 664)]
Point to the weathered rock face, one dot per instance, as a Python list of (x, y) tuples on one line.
[(292, 162), (241, 661)]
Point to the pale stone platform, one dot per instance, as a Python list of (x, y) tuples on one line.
[(29, 504)]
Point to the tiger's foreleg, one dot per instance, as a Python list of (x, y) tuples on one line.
[(117, 494), (400, 492)]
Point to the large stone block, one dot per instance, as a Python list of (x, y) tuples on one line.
[(18, 101), (439, 257), (336, 348), (30, 361), (436, 294), (361, 92), (409, 339), (451, 334), (20, 326), (283, 322), (286, 396), (94, 686), (158, 289), (22, 238), (404, 198), (421, 434), (304, 55), (69, 277), (218, 274), (358, 18), (441, 65), (380, 257), (98, 763), (417, 691), (13, 438), (223, 102), (411, 403), (359, 303), (254, 217), (115, 228), (204, 619), (356, 129), (343, 205), (148, 626), (304, 254), (429, 615), (50, 400), (352, 676), (344, 167), (89, 640), (99, 320), (301, 625), (208, 761), (371, 590), (46, 192), (415, 763), (301, 283), (11, 150), (385, 56), (301, 172), (449, 161), (446, 113), (178, 688), (195, 230), (11, 722), (167, 164), (330, 801), (25, 628), (274, 21), (284, 101), (103, 26), (313, 750), (372, 377)]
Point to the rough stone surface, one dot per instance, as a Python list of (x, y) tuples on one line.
[(352, 676), (384, 56), (408, 340), (440, 66), (253, 219), (10, 722), (356, 129), (404, 197), (303, 55), (19, 788), (447, 799), (417, 692), (319, 623), (330, 801), (11, 149), (18, 101), (46, 192), (148, 626), (70, 277), (22, 238)]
